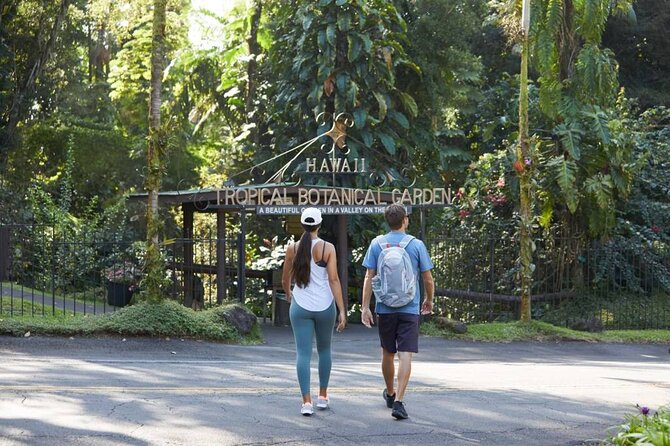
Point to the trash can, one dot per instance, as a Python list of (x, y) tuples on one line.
[(280, 308), (118, 294)]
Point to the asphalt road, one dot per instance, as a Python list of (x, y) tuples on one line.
[(110, 391)]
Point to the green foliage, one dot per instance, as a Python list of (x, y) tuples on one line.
[(648, 212), (640, 40), (483, 206), (345, 58), (585, 165), (619, 308), (62, 246), (544, 332), (144, 319), (644, 428)]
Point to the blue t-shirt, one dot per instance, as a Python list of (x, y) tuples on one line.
[(420, 263)]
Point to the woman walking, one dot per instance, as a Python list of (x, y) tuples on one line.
[(311, 265)]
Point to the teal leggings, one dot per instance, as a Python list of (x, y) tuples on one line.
[(305, 324)]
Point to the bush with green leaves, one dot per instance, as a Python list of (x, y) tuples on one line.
[(644, 428), (62, 250), (166, 318)]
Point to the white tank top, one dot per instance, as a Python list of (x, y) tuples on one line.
[(317, 295)]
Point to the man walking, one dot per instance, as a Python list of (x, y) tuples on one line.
[(394, 275)]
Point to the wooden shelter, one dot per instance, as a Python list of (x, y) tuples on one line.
[(258, 201)]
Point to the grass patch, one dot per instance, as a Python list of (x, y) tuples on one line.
[(95, 293), (19, 307), (544, 332), (143, 319)]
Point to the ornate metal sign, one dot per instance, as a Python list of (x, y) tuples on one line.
[(283, 192)]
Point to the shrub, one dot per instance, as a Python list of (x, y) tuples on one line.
[(168, 319), (644, 428)]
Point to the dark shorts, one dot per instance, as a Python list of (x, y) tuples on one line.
[(399, 332)]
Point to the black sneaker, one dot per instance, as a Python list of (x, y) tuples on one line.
[(389, 399), (399, 411)]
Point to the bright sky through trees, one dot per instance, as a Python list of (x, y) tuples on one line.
[(202, 29)]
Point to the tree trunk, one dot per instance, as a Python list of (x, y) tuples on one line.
[(252, 67), (567, 43), (18, 108), (89, 40), (154, 267), (523, 168)]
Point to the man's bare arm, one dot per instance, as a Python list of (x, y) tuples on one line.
[(429, 286), (366, 315)]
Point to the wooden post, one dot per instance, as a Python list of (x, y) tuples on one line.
[(343, 258), (220, 256), (241, 257), (187, 234)]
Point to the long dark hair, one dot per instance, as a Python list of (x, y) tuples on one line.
[(301, 262)]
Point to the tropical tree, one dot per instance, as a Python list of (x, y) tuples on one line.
[(583, 158), (335, 56), (153, 262), (25, 60), (583, 151), (589, 155)]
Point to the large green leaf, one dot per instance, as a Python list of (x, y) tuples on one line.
[(564, 173), (600, 187), (352, 94), (367, 137), (409, 104), (355, 47), (388, 142), (367, 41), (331, 34), (554, 16), (571, 136), (599, 124), (321, 36), (360, 115), (381, 102), (344, 21), (399, 118)]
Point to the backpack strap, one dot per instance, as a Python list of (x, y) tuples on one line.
[(383, 242), (406, 240)]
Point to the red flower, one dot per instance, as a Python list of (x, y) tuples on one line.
[(463, 213), (655, 229), (518, 166)]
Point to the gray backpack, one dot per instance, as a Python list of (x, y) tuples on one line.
[(395, 282)]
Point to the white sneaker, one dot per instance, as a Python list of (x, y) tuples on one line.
[(307, 409), (322, 403)]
